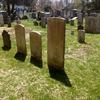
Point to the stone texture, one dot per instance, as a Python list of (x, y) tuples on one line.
[(20, 39), (36, 45), (9, 21), (98, 24), (56, 42), (43, 22), (92, 24), (1, 20), (80, 18), (6, 40), (81, 36)]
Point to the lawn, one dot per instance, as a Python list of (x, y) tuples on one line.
[(26, 81)]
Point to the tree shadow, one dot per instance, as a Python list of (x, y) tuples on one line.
[(20, 56), (82, 42), (98, 33), (36, 62), (6, 48), (59, 75)]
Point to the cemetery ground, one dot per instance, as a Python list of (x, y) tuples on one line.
[(26, 81)]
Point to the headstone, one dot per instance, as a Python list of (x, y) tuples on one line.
[(36, 46), (71, 14), (72, 22), (9, 21), (6, 40), (90, 24), (34, 15), (20, 39), (35, 23), (80, 19), (43, 22), (18, 21), (81, 36), (40, 15), (1, 20), (56, 42), (98, 24)]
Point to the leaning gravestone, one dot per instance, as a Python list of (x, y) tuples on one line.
[(81, 36), (20, 39), (6, 40), (56, 42), (36, 46)]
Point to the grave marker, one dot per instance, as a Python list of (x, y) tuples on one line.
[(36, 46), (81, 36), (6, 40), (20, 39), (1, 20), (56, 42)]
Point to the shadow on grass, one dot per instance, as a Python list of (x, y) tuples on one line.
[(20, 56), (59, 75), (6, 48), (36, 62), (82, 42), (92, 33)]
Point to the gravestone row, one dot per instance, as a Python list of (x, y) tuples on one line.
[(55, 42)]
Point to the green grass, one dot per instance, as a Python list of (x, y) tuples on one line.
[(25, 81)]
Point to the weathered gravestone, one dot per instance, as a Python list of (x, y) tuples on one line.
[(56, 42), (43, 22), (92, 24), (20, 39), (81, 36), (1, 20), (6, 40), (80, 19), (34, 15), (9, 21), (18, 21), (36, 46)]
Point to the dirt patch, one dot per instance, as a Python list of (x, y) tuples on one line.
[(10, 30), (78, 54)]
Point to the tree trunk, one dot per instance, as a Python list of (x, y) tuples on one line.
[(13, 5), (8, 7)]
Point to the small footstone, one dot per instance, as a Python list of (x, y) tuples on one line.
[(81, 36)]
